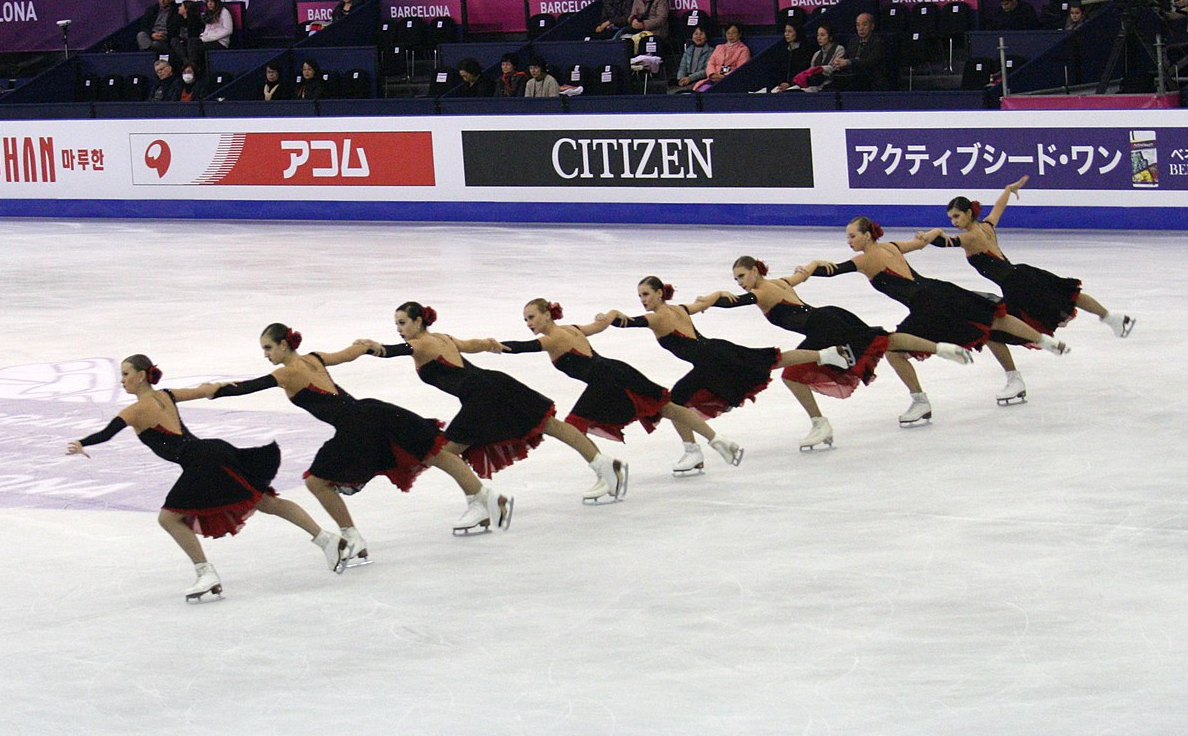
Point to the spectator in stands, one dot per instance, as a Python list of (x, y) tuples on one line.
[(188, 33), (865, 65), (275, 87), (799, 56), (512, 81), (158, 27), (647, 15), (311, 86), (216, 33), (1075, 18), (614, 18), (540, 82), (820, 72), (342, 10), (192, 88), (694, 60), (475, 83), (725, 58), (1013, 15), (167, 88)]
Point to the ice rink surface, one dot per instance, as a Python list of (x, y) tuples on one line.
[(1014, 570)]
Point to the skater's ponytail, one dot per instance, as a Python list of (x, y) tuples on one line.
[(962, 204), (748, 263), (654, 282), (141, 362), (279, 333), (867, 225), (414, 310), (544, 306)]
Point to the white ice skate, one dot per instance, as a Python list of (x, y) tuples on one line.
[(840, 356), (955, 353), (919, 413), (481, 509), (821, 433), (336, 549), (1052, 345), (358, 548), (1121, 324), (612, 480), (208, 583), (728, 449), (1014, 392), (691, 463)]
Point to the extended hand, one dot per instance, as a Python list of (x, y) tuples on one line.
[(74, 447)]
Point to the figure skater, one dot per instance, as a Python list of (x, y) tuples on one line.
[(724, 374), (371, 437), (822, 327), (1042, 299), (501, 419), (616, 394), (937, 310), (220, 485)]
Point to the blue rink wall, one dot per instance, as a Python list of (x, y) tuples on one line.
[(1087, 169)]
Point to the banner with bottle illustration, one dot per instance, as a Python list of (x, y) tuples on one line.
[(1055, 158)]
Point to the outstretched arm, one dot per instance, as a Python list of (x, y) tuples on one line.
[(205, 391), (907, 246), (240, 388), (346, 355), (520, 346), (75, 447), (618, 319), (795, 279), (478, 345), (593, 328), (1004, 199)]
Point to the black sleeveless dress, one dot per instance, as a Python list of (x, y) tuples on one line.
[(824, 327), (616, 395), (724, 375), (1040, 298), (220, 484), (371, 437), (940, 311), (500, 420)]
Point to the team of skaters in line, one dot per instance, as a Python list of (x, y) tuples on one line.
[(501, 419)]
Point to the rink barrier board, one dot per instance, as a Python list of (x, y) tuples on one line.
[(910, 216), (1088, 169)]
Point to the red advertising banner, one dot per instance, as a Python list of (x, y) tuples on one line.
[(387, 159)]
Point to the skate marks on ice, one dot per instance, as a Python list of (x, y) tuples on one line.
[(44, 406)]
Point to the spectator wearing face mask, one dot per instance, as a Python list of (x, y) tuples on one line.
[(192, 87)]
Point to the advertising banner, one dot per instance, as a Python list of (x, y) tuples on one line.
[(315, 11), (32, 25), (988, 158), (634, 158), (754, 168), (283, 159), (429, 9), (556, 7)]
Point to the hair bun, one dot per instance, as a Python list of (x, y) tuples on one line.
[(293, 338), (876, 230), (555, 310), (428, 315), (668, 291), (153, 374), (761, 267)]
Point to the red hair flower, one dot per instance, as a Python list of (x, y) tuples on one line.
[(555, 310), (761, 267), (876, 230), (154, 374), (428, 315), (293, 338), (668, 291), (975, 207)]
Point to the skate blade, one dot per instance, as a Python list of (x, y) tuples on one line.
[(1127, 326), (505, 518), (1020, 399), (215, 593), (357, 562), (603, 500), (922, 421), (813, 447), (476, 530), (688, 473), (622, 483)]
